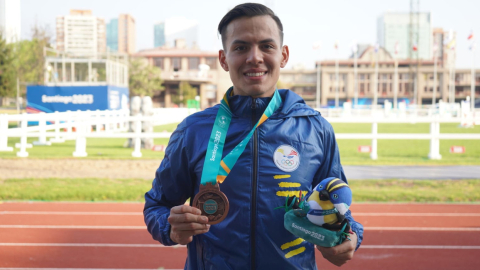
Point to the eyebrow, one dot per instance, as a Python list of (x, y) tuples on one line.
[(268, 40)]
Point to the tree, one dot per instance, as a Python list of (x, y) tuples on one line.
[(184, 93), (7, 75), (144, 79)]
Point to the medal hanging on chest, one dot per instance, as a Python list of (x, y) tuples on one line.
[(210, 200)]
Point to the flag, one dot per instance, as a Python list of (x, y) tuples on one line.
[(396, 47), (293, 153), (451, 44), (470, 37), (415, 47), (336, 45), (354, 47), (376, 47)]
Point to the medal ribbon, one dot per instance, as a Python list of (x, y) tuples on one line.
[(215, 169)]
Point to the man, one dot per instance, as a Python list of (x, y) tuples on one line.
[(291, 151)]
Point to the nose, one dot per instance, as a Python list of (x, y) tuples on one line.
[(255, 56)]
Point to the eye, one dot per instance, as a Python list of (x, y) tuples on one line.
[(240, 48), (268, 46), (335, 196)]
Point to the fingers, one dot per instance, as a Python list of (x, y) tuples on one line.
[(186, 221), (341, 254)]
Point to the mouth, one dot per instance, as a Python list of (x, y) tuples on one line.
[(255, 75)]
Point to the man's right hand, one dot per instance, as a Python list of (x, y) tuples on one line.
[(186, 222)]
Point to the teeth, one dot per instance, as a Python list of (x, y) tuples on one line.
[(255, 74)]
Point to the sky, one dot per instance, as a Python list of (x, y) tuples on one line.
[(305, 22)]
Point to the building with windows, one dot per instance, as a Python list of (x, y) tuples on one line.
[(81, 33), (409, 31), (121, 34), (179, 63), (10, 23), (166, 32), (415, 80)]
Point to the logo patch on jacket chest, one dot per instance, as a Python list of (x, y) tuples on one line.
[(286, 158)]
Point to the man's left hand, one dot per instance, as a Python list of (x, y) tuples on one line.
[(341, 254)]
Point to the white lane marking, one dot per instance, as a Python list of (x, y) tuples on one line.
[(417, 214), (141, 214), (182, 246), (72, 227), (417, 247), (78, 269), (144, 228), (421, 229), (86, 245), (71, 213)]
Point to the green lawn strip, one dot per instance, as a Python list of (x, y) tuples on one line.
[(454, 191), (52, 189), (88, 189)]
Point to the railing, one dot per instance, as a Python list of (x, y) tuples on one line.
[(115, 124), (80, 125)]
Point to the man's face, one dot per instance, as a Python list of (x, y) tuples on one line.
[(253, 55)]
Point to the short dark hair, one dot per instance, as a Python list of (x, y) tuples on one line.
[(248, 10)]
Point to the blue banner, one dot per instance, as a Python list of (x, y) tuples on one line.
[(49, 99)]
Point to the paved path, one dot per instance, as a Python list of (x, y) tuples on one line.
[(412, 172)]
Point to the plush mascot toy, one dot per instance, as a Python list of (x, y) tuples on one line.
[(328, 203), (319, 217)]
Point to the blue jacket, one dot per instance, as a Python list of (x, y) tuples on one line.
[(252, 235)]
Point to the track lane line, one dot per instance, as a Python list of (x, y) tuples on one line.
[(458, 229), (183, 246)]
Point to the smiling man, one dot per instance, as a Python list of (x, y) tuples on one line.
[(258, 146)]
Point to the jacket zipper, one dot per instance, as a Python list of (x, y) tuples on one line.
[(254, 187)]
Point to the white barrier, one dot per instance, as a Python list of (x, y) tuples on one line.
[(107, 124), (115, 124)]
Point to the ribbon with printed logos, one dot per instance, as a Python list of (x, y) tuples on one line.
[(210, 200), (214, 169)]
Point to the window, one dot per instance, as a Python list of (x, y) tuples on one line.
[(211, 62), (158, 62), (193, 63), (176, 63)]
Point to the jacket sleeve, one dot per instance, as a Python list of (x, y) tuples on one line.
[(172, 186), (331, 167)]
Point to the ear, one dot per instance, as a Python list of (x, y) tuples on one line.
[(285, 56), (221, 58)]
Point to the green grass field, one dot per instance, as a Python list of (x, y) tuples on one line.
[(398, 152), (452, 191)]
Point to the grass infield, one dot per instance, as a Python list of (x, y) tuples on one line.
[(94, 190), (390, 152)]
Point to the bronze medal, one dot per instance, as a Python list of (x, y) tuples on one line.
[(212, 202)]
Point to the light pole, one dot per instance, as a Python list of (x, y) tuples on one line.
[(317, 46), (395, 79), (355, 79), (375, 81), (435, 49), (336, 75)]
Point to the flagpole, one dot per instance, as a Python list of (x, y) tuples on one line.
[(435, 49), (375, 88), (336, 77), (316, 46), (472, 86), (355, 80), (395, 79)]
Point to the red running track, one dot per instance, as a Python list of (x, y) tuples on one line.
[(113, 235)]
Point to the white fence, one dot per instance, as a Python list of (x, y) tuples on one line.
[(115, 124), (80, 125)]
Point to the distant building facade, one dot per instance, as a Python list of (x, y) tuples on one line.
[(166, 32), (10, 20), (81, 33), (200, 69), (394, 27), (304, 82), (121, 34)]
